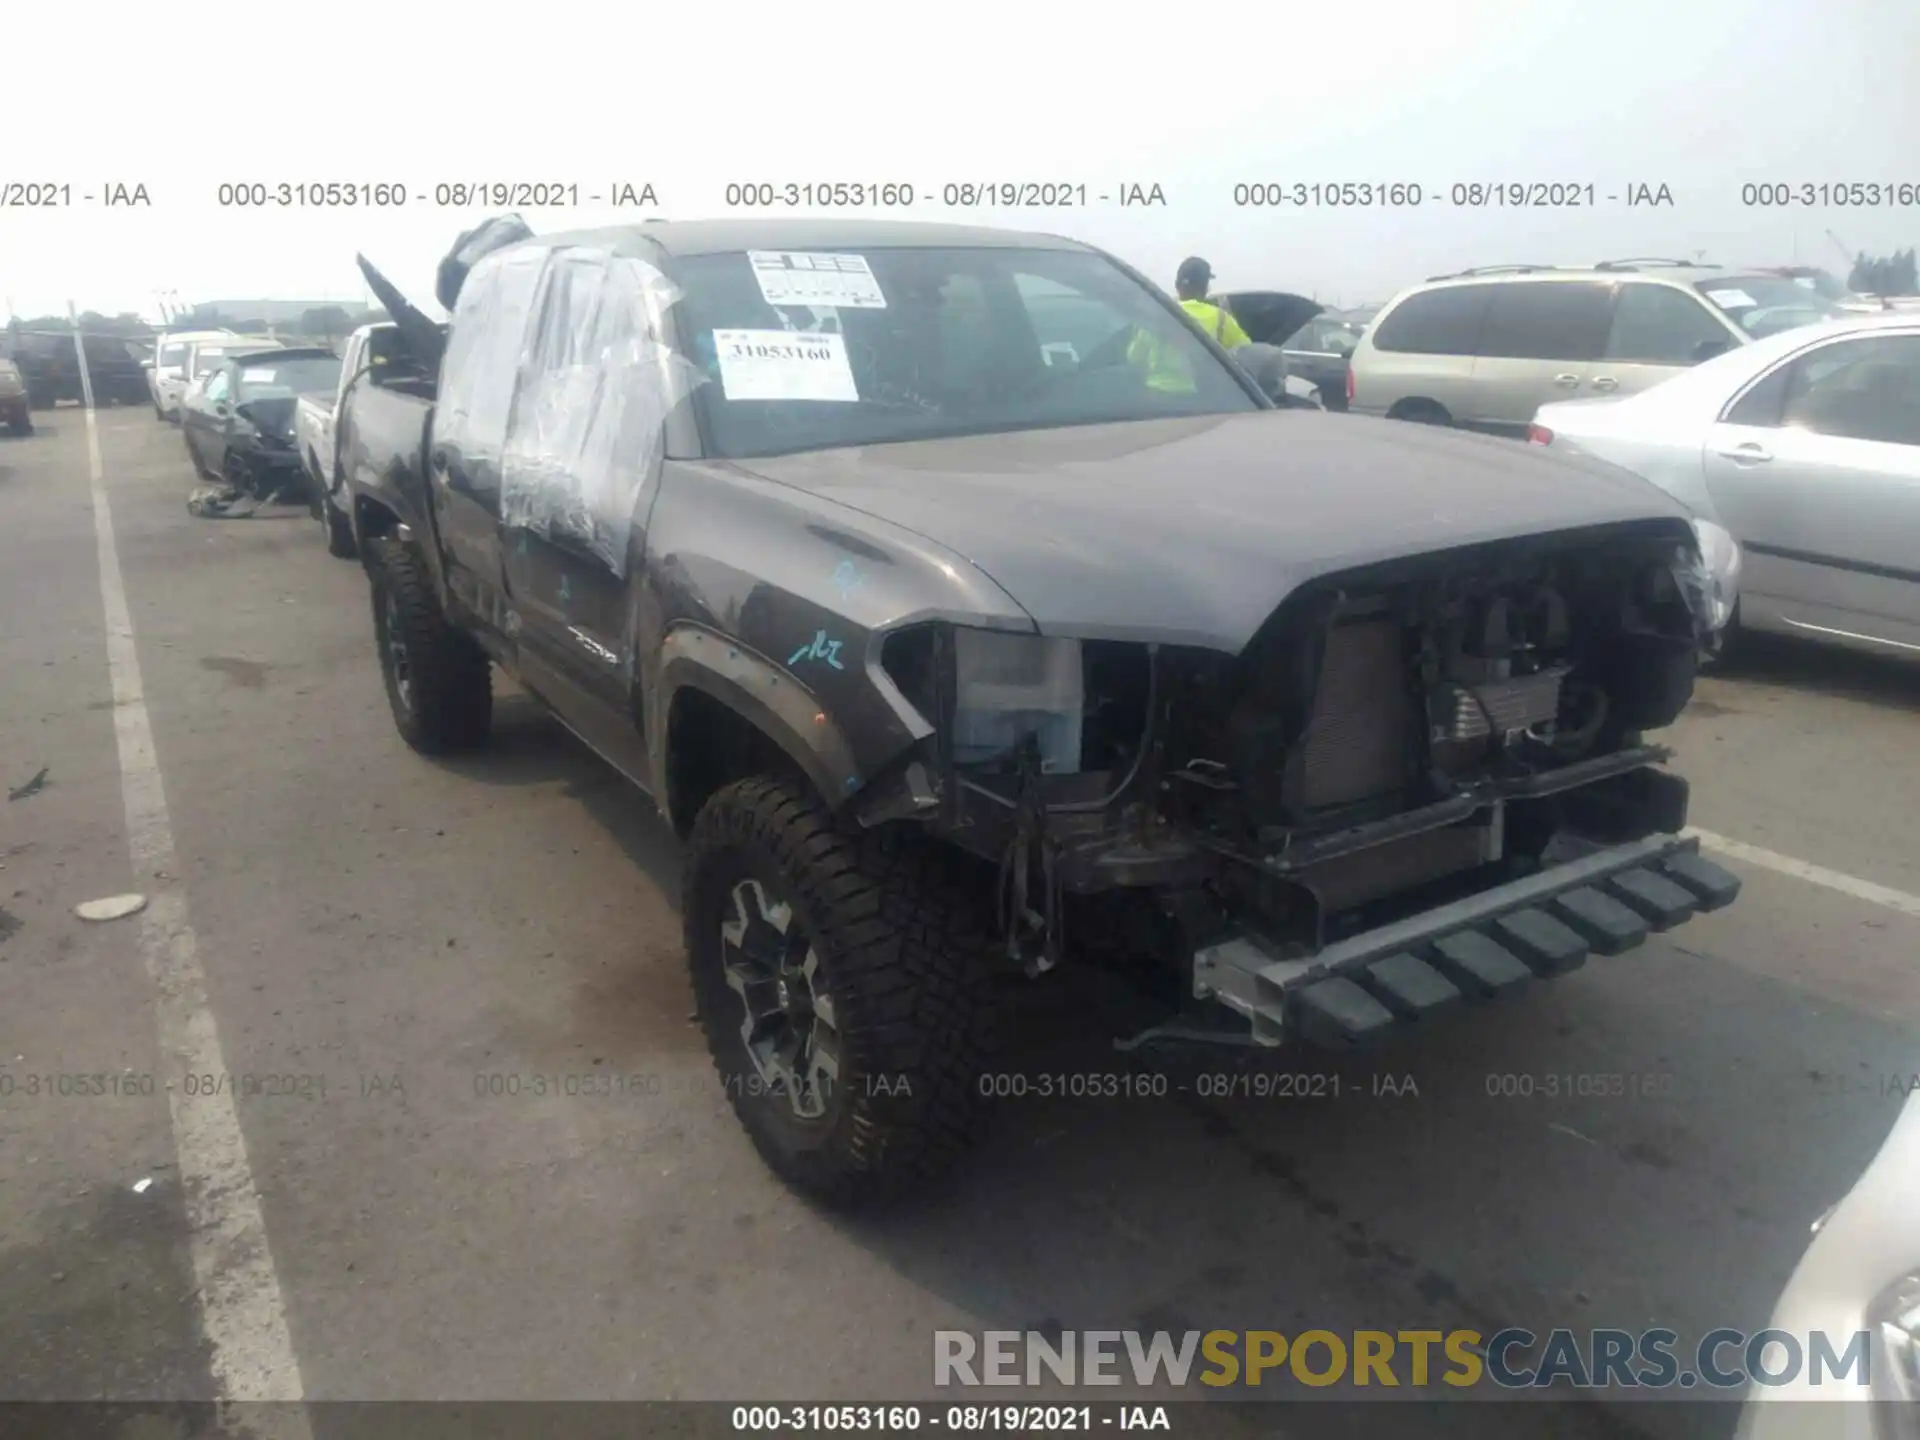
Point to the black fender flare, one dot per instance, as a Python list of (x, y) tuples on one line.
[(763, 694)]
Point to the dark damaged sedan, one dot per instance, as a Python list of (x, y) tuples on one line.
[(238, 423), (968, 611)]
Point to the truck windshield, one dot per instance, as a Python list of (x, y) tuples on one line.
[(814, 350)]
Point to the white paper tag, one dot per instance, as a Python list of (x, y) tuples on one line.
[(1805, 282), (783, 365), (256, 377), (1731, 299), (813, 277)]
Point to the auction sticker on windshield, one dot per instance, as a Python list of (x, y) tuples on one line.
[(256, 377), (808, 277), (783, 365), (1730, 299)]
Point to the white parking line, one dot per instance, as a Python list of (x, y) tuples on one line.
[(240, 1305), (1898, 901)]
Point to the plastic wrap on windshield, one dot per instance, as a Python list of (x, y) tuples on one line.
[(596, 385), (483, 361)]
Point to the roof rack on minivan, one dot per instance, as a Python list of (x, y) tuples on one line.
[(1634, 262), (1491, 270)]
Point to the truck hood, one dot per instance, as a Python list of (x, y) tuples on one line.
[(1192, 531)]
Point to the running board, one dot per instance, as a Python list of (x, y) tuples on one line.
[(1355, 991)]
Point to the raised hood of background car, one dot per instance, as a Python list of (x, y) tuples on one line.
[(1192, 531)]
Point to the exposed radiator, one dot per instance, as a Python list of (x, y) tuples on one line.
[(1357, 743), (1499, 707)]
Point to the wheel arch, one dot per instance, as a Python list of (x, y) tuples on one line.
[(727, 712), (1408, 406)]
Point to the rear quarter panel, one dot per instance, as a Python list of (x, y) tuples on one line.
[(381, 441)]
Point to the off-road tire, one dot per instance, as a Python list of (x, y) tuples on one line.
[(901, 942), (22, 426), (446, 702)]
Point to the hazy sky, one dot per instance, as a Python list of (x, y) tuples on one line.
[(1700, 97)]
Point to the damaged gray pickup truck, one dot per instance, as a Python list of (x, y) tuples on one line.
[(967, 610)]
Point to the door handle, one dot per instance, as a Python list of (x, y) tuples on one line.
[(1605, 382), (1747, 453), (1566, 381)]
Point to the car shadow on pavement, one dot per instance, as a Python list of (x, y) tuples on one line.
[(528, 747), (1396, 1190), (1468, 1176), (1823, 669)]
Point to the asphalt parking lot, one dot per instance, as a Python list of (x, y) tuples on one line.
[(390, 948)]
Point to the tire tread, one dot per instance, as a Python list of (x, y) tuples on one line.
[(910, 974)]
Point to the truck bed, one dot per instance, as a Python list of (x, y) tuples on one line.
[(381, 439)]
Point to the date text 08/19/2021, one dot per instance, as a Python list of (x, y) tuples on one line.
[(908, 1419)]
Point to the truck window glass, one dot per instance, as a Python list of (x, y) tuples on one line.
[(481, 371), (586, 432)]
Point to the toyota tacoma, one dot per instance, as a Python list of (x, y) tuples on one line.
[(965, 608)]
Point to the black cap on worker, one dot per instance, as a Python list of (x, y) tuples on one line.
[(1194, 274)]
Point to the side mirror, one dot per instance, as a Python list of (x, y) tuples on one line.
[(1708, 349)]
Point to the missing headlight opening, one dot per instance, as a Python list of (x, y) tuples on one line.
[(1390, 740)]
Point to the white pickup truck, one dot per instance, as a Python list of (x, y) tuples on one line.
[(368, 348)]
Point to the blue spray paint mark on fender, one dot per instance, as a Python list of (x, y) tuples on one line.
[(847, 579), (818, 648)]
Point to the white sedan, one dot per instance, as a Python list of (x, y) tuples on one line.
[(1804, 446), (1855, 1292)]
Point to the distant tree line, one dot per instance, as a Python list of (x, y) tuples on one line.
[(126, 323), (1884, 275), (321, 322)]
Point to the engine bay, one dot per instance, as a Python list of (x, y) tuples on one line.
[(1385, 731)]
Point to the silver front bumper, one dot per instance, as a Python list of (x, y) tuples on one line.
[(1358, 990)]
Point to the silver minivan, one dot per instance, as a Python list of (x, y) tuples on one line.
[(1486, 348)]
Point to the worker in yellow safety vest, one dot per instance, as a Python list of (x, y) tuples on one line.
[(1166, 368)]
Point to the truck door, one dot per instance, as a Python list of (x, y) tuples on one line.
[(479, 379), (581, 457)]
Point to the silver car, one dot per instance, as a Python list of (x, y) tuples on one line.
[(1861, 1275), (1806, 447)]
